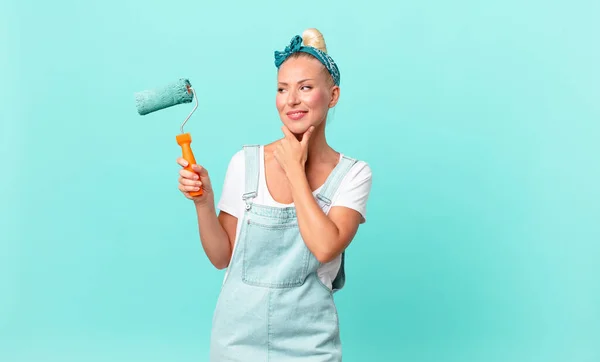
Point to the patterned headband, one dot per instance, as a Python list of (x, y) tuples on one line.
[(296, 46)]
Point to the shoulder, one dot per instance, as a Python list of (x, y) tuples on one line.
[(360, 171), (236, 162), (355, 187), (238, 159)]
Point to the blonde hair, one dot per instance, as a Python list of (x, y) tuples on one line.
[(312, 37)]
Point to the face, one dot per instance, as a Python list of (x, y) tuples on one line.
[(304, 93)]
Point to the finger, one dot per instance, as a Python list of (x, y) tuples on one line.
[(288, 134), (280, 149), (187, 182), (188, 174), (185, 193), (187, 189), (306, 136), (283, 144), (203, 175), (182, 162)]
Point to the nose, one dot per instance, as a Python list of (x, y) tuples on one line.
[(293, 98)]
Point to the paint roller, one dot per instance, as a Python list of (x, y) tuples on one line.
[(169, 95)]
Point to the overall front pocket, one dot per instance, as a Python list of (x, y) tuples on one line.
[(274, 255)]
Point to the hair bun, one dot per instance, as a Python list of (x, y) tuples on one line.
[(312, 37)]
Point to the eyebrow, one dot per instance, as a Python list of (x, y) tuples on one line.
[(302, 81)]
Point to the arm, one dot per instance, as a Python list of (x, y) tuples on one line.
[(217, 233), (325, 235)]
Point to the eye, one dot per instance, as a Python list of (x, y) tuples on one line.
[(306, 87), (279, 90)]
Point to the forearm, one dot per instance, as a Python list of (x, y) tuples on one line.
[(213, 237), (319, 233)]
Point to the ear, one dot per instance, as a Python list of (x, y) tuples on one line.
[(335, 96)]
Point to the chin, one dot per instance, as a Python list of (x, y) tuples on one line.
[(298, 127)]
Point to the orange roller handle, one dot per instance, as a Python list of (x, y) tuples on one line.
[(184, 140)]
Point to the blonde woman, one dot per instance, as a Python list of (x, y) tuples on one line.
[(288, 210)]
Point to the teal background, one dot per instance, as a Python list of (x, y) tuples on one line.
[(480, 121)]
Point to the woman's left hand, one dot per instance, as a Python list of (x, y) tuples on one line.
[(291, 153)]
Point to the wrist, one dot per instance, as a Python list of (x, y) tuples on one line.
[(295, 171), (297, 177), (205, 203)]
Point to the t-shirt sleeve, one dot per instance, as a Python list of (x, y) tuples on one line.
[(355, 189), (233, 186)]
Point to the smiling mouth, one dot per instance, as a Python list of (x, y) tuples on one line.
[(296, 115)]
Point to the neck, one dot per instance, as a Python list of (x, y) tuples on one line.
[(318, 149)]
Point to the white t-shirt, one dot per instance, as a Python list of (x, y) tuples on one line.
[(353, 193)]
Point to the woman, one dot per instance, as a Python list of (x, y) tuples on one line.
[(287, 212)]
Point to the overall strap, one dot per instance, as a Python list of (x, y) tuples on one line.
[(326, 195), (335, 179), (252, 161)]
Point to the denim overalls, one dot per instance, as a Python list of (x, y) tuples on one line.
[(272, 305)]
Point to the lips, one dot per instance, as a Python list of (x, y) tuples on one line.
[(296, 115)]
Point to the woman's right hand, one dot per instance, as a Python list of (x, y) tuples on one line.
[(189, 181)]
